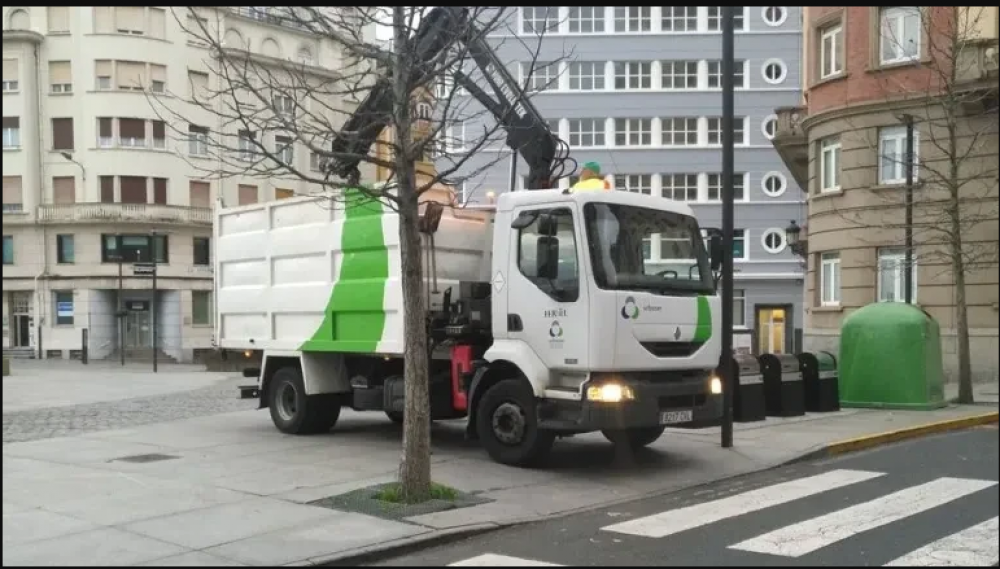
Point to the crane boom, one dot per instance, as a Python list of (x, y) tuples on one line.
[(527, 132)]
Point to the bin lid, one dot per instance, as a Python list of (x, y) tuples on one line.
[(825, 361)]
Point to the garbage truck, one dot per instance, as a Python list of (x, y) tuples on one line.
[(545, 318)]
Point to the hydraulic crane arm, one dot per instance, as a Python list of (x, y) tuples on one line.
[(527, 132)]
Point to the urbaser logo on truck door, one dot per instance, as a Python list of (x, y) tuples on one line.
[(631, 310)]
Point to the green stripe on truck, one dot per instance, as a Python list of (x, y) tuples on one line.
[(354, 318), (703, 330)]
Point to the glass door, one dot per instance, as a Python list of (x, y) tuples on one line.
[(771, 330), (138, 331)]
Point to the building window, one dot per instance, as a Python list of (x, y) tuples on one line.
[(201, 307), (774, 15), (63, 189), (715, 130), (200, 194), (774, 71), (679, 74), (8, 249), (633, 132), (285, 105), (13, 196), (892, 276), (633, 75), (774, 184), (829, 164), (202, 250), (680, 131), (831, 43), (160, 191), (107, 184), (830, 279), (900, 31), (715, 18), (566, 286), (739, 244), (159, 135), (715, 187), (284, 149), (455, 137), (769, 127), (64, 307), (132, 133), (247, 194), (60, 77), (739, 307), (680, 19), (586, 19), (58, 19), (680, 187), (715, 74), (586, 76), (134, 248), (543, 77), (11, 72), (197, 140), (11, 132), (586, 133), (892, 154), (65, 249), (773, 241), (638, 183), (247, 149), (539, 20), (157, 78), (633, 18)]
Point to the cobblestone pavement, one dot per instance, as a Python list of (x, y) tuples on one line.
[(35, 424)]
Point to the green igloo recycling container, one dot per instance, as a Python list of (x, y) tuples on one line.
[(890, 357)]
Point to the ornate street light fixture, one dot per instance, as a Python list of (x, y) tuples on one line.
[(798, 245)]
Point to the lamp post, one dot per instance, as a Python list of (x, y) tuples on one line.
[(728, 151)]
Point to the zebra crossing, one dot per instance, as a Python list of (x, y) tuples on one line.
[(976, 545)]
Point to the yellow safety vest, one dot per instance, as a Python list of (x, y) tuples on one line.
[(591, 185)]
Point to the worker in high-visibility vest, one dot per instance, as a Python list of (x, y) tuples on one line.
[(591, 179)]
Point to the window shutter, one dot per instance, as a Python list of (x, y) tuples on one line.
[(12, 190), (132, 128), (104, 127), (62, 134), (10, 70), (103, 20), (12, 122), (130, 18), (60, 73), (58, 18), (200, 194), (107, 189), (160, 191), (157, 22), (159, 130), (133, 189), (130, 74), (248, 194), (64, 189), (158, 72)]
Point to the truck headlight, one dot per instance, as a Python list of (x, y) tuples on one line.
[(610, 393), (715, 385)]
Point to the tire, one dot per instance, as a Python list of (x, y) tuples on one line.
[(520, 443), (395, 417), (637, 438), (295, 413)]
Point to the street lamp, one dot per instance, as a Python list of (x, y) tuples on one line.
[(799, 246)]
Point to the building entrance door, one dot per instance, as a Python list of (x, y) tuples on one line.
[(138, 325), (20, 320), (772, 330)]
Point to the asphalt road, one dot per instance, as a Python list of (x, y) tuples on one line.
[(927, 502)]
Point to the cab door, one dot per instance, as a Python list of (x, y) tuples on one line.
[(547, 297)]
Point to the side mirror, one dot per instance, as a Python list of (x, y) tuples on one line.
[(715, 251), (547, 257), (523, 220)]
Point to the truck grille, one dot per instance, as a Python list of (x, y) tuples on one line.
[(672, 349), (682, 401)]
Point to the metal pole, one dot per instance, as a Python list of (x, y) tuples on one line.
[(121, 305), (908, 253), (726, 363), (153, 303)]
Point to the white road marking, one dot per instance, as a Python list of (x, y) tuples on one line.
[(682, 519), (977, 546), (493, 560), (816, 533)]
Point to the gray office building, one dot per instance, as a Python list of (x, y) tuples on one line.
[(637, 89)]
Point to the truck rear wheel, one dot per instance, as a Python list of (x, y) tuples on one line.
[(296, 413), (507, 424), (636, 438), (395, 417)]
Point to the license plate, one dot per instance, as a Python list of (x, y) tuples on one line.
[(672, 417)]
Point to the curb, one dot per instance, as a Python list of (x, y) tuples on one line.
[(888, 437), (381, 551)]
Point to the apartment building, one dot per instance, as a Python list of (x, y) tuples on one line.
[(637, 89), (865, 70), (98, 185)]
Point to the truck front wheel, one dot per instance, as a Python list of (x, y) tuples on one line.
[(636, 438), (507, 424), (295, 413)]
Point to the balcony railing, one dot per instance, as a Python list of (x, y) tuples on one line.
[(977, 62), (124, 213)]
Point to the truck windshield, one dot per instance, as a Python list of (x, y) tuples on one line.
[(622, 239)]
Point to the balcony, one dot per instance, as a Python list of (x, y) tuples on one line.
[(976, 74), (792, 143), (124, 213)]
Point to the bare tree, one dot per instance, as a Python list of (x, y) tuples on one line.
[(950, 96), (336, 111)]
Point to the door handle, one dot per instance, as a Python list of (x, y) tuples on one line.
[(514, 323)]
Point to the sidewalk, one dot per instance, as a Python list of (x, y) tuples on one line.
[(231, 490)]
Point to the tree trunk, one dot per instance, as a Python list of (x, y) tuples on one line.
[(965, 396), (415, 468)]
